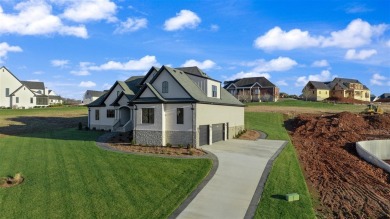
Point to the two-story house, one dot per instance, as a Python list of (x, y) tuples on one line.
[(254, 89), (169, 105)]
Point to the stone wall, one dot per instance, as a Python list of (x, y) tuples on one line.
[(179, 137), (148, 137)]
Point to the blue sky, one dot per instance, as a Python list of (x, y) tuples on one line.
[(75, 45)]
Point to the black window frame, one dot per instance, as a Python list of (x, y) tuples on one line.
[(180, 116), (165, 86), (110, 113), (97, 114), (31, 99), (147, 115), (214, 90)]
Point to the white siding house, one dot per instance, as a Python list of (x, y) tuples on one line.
[(181, 106)]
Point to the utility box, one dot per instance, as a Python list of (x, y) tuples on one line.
[(292, 197)]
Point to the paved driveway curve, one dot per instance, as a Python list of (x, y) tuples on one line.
[(230, 192)]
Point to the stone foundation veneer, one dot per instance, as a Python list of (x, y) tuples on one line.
[(100, 127), (179, 137), (148, 137)]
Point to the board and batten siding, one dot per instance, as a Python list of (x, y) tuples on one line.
[(24, 95), (175, 90)]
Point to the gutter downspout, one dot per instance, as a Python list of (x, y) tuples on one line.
[(89, 118), (192, 125), (135, 124)]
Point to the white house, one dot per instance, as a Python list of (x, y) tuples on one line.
[(92, 95), (22, 94), (169, 106)]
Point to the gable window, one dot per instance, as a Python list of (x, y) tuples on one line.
[(17, 99), (31, 100), (110, 113), (148, 115), (7, 92), (97, 114), (117, 93), (214, 90), (180, 116), (165, 87)]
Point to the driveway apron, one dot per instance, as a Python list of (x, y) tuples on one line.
[(229, 193)]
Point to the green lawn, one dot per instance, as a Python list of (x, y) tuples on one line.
[(310, 104), (285, 176), (68, 176)]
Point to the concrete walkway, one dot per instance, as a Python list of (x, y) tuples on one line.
[(236, 187)]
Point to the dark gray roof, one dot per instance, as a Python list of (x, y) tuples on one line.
[(55, 97), (384, 95), (320, 85), (249, 82), (95, 93), (99, 101), (194, 70), (34, 84), (343, 82)]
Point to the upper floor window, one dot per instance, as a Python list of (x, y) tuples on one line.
[(110, 113), (97, 114), (7, 92), (148, 115), (214, 90), (117, 93), (165, 87), (180, 116)]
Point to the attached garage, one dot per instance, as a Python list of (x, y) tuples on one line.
[(203, 135), (218, 132)]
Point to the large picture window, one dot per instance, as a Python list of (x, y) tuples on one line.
[(148, 115), (180, 115), (165, 87), (214, 89), (97, 114), (110, 113)]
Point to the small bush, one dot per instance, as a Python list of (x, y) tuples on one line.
[(169, 145), (94, 128), (80, 126), (86, 128)]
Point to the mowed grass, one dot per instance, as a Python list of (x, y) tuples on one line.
[(285, 176), (68, 176), (311, 104)]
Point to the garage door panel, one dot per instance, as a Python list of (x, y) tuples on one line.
[(203, 135), (218, 132)]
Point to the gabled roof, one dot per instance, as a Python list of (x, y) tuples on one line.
[(248, 82), (34, 85), (99, 101), (13, 93), (55, 98), (153, 68), (320, 85), (95, 93), (343, 82), (385, 95), (194, 70), (11, 73)]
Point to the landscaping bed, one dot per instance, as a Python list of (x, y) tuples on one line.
[(122, 142), (346, 185)]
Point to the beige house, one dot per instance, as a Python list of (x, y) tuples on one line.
[(181, 106), (15, 93), (338, 88)]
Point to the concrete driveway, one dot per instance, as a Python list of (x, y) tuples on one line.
[(234, 190)]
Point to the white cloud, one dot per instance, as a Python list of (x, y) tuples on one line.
[(5, 48), (388, 43), (276, 38), (281, 83), (243, 74), (107, 86), (184, 19), (380, 80), (357, 33), (214, 28), (278, 64), (35, 18), (145, 63), (83, 69), (59, 63), (206, 64), (87, 84), (91, 10), (357, 9), (320, 63), (38, 72), (323, 76), (361, 55), (34, 80), (131, 25)]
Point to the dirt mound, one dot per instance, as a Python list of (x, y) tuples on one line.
[(347, 186), (344, 100)]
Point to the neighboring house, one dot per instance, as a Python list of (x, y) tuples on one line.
[(385, 97), (255, 89), (21, 94), (338, 88), (169, 106), (92, 95)]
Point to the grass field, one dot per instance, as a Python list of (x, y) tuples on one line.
[(285, 176), (67, 176)]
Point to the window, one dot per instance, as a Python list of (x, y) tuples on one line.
[(117, 93), (165, 87), (214, 89), (180, 116), (17, 99), (42, 100), (31, 100), (148, 115), (7, 92), (97, 116), (319, 92), (110, 113)]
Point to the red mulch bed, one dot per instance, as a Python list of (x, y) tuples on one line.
[(345, 100), (250, 135), (347, 186)]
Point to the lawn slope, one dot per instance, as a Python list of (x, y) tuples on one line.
[(67, 176), (285, 176)]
